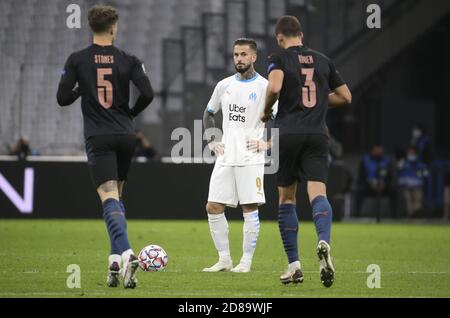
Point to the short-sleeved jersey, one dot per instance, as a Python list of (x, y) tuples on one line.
[(309, 77), (103, 74), (242, 104)]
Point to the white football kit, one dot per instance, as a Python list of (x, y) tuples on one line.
[(238, 175)]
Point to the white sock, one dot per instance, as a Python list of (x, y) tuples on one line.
[(114, 258), (218, 227), (294, 265), (126, 257), (251, 232)]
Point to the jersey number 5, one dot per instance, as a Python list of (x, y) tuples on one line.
[(309, 93), (104, 87)]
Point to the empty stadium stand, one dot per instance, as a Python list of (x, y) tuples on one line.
[(186, 47)]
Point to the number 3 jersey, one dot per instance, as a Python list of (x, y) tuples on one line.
[(103, 74), (242, 104), (309, 76)]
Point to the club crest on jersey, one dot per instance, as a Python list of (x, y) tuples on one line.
[(252, 97)]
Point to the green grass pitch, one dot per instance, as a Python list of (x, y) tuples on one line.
[(34, 255)]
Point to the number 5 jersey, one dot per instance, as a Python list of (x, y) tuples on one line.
[(103, 74)]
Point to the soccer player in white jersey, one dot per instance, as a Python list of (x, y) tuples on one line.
[(238, 173)]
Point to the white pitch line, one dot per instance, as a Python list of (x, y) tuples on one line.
[(168, 293), (364, 272), (75, 293), (253, 271)]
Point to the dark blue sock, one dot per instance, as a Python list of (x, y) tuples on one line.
[(288, 224), (322, 215), (122, 206), (117, 226)]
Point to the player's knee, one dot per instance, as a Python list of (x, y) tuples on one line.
[(313, 196), (287, 199), (214, 208), (287, 195), (316, 189), (108, 190), (108, 186), (247, 208)]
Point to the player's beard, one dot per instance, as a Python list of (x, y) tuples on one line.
[(242, 70)]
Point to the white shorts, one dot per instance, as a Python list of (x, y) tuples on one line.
[(232, 185)]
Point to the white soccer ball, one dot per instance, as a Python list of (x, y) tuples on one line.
[(152, 258)]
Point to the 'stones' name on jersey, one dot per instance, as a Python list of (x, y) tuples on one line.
[(104, 59)]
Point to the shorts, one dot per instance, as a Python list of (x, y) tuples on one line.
[(303, 156), (109, 157), (231, 185)]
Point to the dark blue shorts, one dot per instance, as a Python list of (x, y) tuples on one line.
[(303, 156), (109, 157)]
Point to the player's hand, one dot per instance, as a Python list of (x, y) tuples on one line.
[(257, 145), (217, 147), (266, 117)]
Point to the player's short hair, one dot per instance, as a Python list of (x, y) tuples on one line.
[(101, 18), (246, 41), (289, 26)]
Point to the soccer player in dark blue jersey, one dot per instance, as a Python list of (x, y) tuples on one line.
[(103, 73), (306, 83)]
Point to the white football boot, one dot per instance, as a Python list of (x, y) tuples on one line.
[(293, 274), (220, 266), (129, 279), (326, 265), (242, 268), (113, 275)]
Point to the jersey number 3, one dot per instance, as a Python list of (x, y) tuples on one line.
[(309, 93), (104, 87)]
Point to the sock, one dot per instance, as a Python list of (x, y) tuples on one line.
[(122, 206), (251, 232), (126, 256), (295, 265), (116, 225), (218, 227), (322, 215), (114, 258), (288, 224), (114, 248)]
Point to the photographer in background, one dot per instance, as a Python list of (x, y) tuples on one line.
[(144, 147), (21, 149), (421, 141), (375, 179), (411, 178)]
